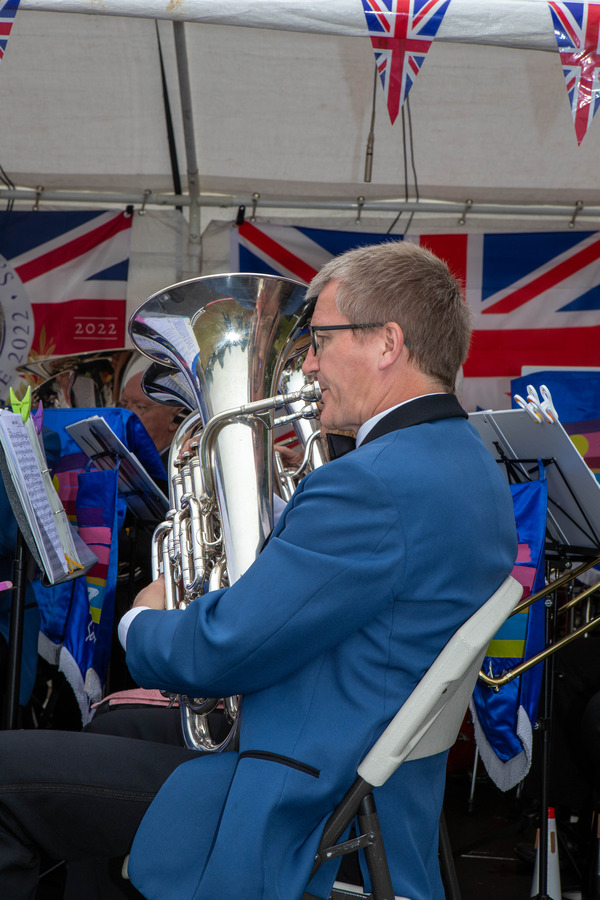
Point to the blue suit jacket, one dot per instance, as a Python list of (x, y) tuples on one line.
[(375, 562)]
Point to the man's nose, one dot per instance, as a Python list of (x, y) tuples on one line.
[(311, 363)]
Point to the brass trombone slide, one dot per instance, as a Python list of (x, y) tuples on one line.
[(511, 674)]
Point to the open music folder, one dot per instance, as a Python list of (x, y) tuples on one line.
[(53, 542), (99, 442)]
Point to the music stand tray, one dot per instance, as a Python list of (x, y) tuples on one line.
[(514, 438), (100, 443)]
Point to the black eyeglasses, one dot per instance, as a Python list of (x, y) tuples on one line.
[(314, 329)]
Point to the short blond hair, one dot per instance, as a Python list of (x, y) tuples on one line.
[(398, 281)]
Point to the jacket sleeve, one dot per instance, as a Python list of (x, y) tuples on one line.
[(334, 561)]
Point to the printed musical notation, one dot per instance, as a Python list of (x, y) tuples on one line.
[(44, 513)]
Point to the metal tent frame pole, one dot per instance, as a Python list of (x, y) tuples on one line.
[(185, 92), (197, 201)]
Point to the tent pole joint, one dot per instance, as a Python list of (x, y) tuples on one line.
[(578, 208)]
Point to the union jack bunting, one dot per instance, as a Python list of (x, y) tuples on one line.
[(7, 16), (63, 284), (535, 297), (576, 27), (401, 33)]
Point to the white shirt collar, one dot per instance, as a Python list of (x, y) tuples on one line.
[(370, 423)]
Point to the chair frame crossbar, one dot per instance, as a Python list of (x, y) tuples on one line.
[(357, 803)]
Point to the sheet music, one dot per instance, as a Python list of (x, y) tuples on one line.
[(573, 491), (23, 463), (63, 526), (97, 439)]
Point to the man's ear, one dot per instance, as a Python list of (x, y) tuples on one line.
[(393, 343)]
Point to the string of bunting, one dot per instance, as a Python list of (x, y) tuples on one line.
[(402, 32)]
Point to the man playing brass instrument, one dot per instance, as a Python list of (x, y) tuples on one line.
[(374, 563)]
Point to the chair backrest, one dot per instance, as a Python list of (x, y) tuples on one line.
[(430, 719)]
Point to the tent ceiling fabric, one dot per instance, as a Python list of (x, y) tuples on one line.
[(283, 113), (507, 23)]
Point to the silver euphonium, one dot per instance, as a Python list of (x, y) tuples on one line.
[(224, 345)]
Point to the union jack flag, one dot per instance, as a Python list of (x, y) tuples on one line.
[(63, 283), (401, 33), (7, 16), (535, 297), (577, 30), (536, 301)]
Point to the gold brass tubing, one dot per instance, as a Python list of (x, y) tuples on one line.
[(582, 596), (497, 683), (560, 582)]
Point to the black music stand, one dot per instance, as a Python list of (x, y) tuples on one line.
[(573, 523), (106, 451), (15, 642), (518, 442)]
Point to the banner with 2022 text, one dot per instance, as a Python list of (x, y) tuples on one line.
[(63, 285)]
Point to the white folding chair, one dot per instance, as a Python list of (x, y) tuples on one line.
[(427, 723)]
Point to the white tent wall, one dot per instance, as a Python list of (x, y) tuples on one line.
[(157, 258), (83, 96)]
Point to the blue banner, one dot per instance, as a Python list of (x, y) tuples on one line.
[(77, 617), (504, 720)]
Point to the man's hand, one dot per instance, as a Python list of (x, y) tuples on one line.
[(290, 458), (153, 595)]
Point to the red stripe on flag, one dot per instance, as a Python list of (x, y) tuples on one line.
[(284, 257), (452, 248), (566, 23), (394, 64), (421, 15), (5, 28), (502, 353), (381, 14), (72, 249), (546, 281), (76, 326)]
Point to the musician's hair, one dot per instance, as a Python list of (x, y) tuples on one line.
[(398, 281)]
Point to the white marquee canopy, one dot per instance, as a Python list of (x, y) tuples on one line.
[(284, 109)]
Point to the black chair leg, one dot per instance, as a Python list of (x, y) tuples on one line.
[(447, 867), (368, 823)]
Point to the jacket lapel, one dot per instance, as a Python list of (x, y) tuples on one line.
[(416, 412)]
